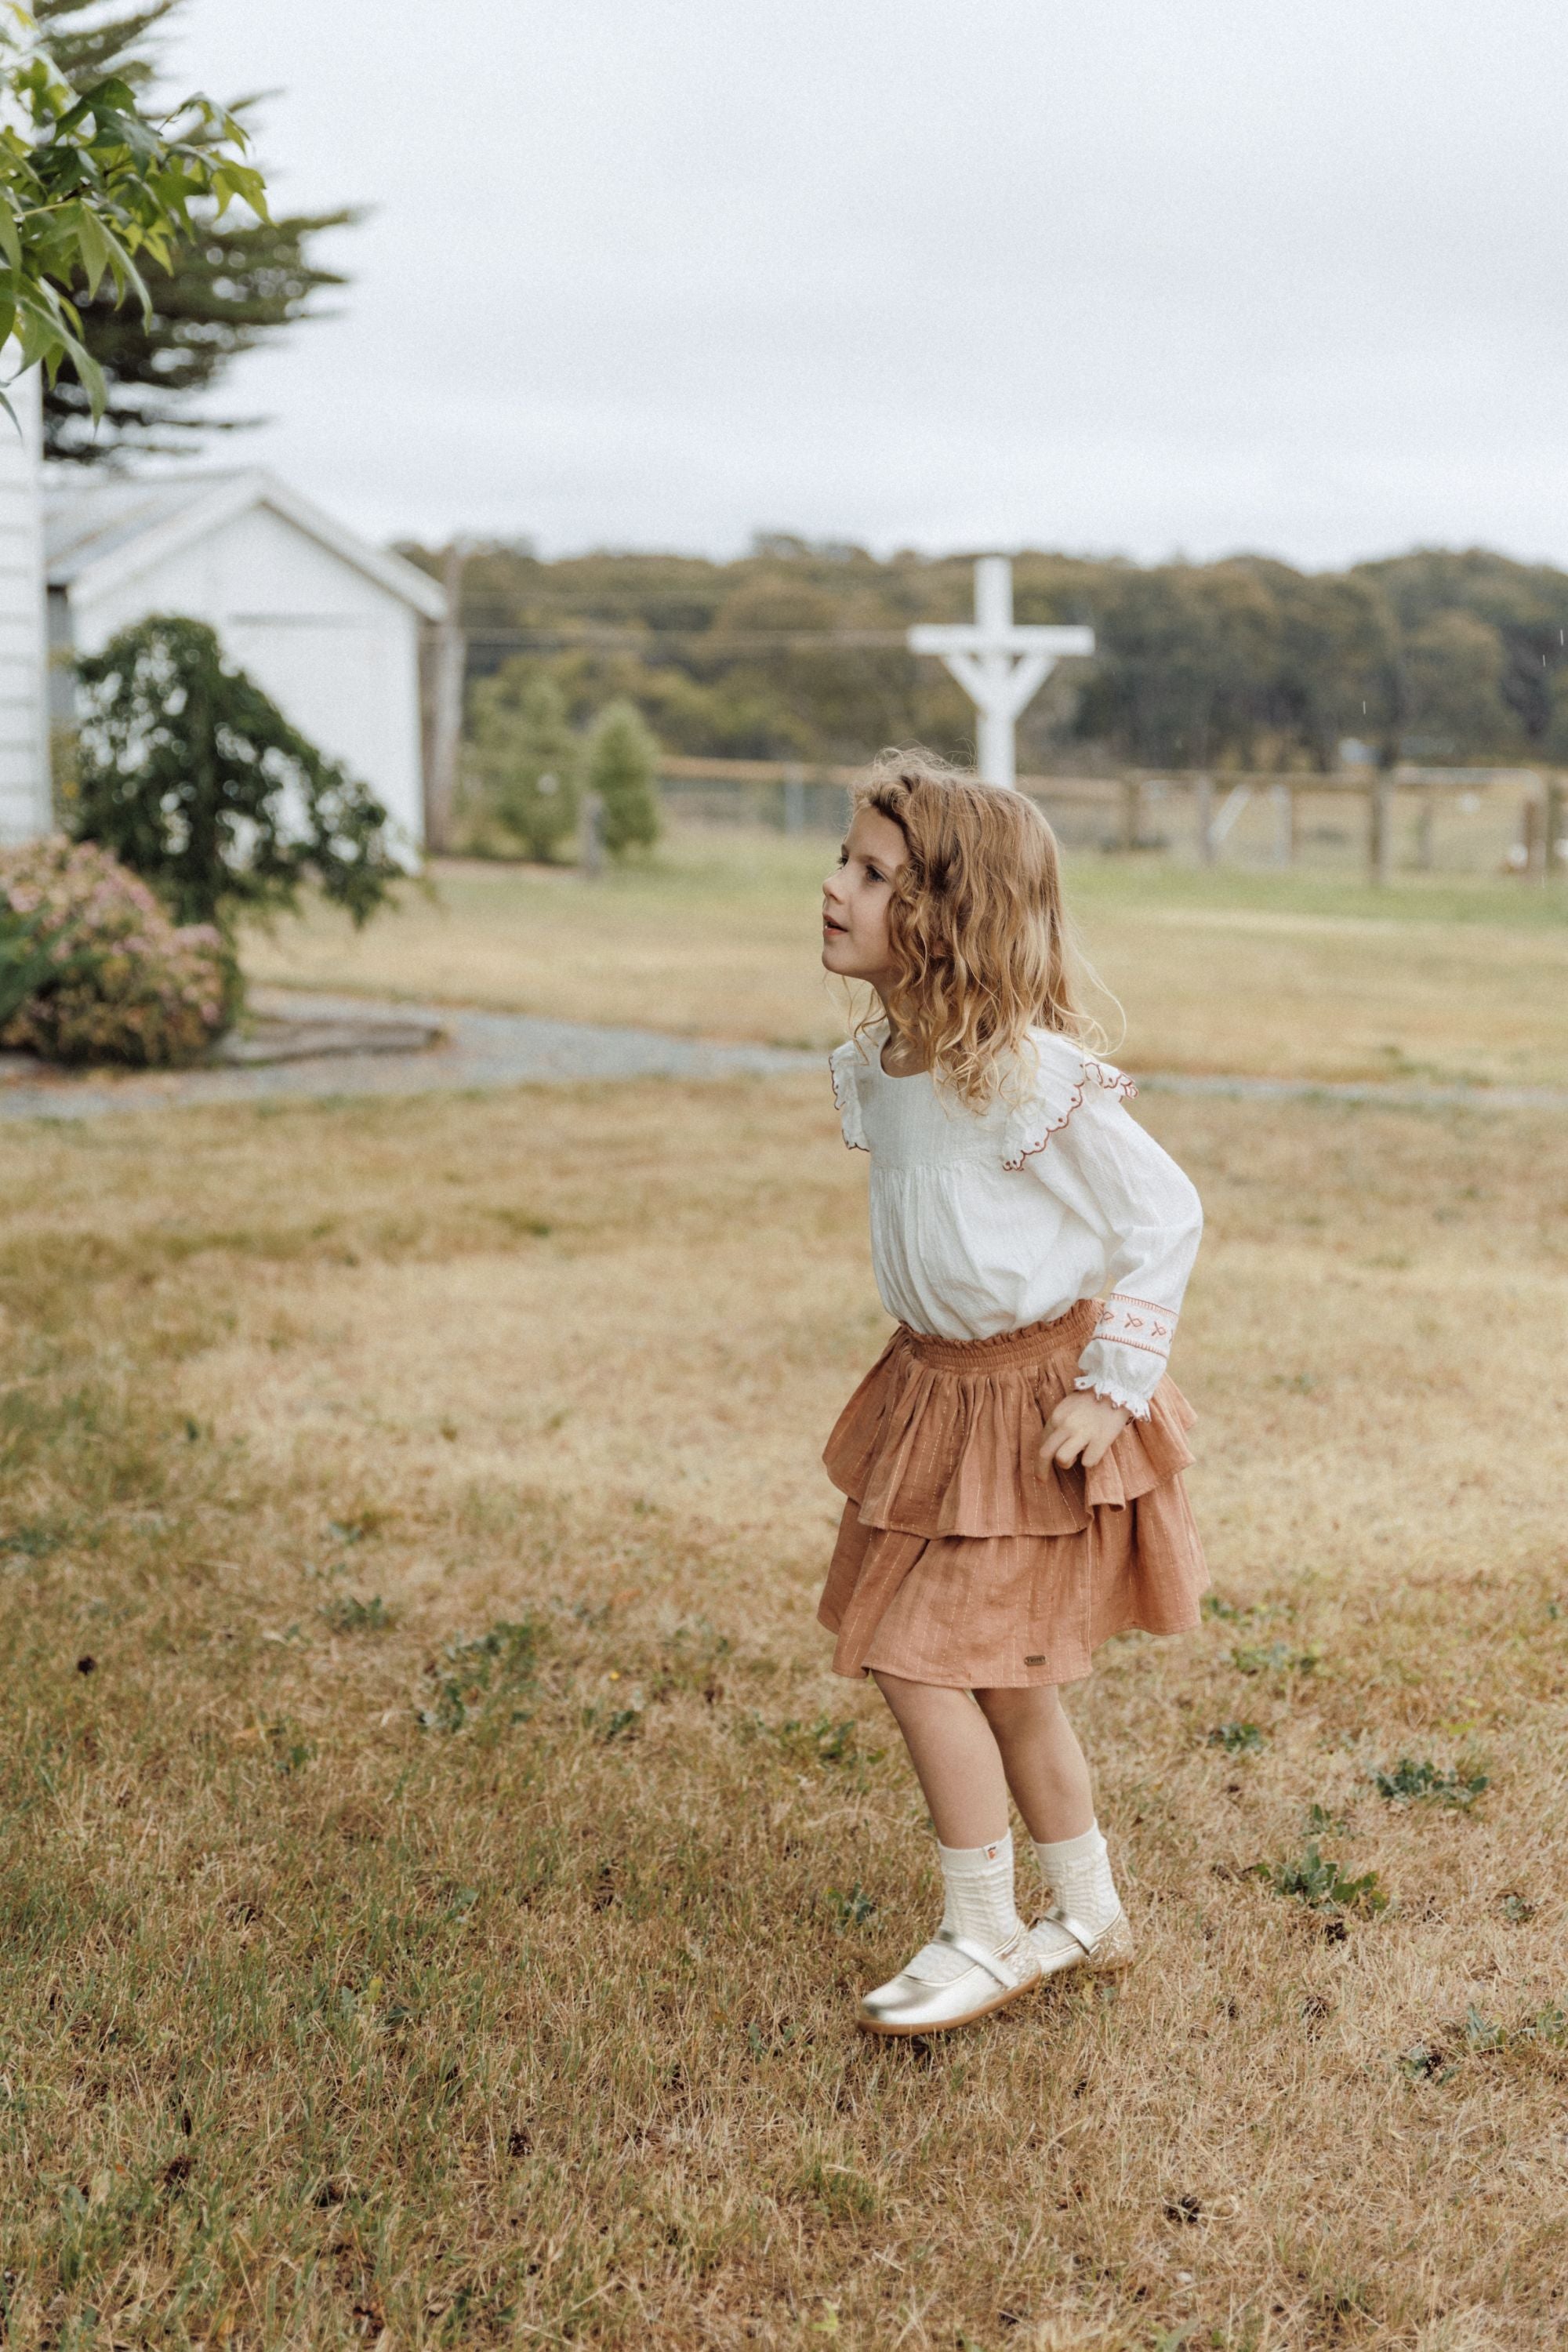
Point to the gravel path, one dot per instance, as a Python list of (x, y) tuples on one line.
[(1386, 1096), (466, 1050), (345, 1046)]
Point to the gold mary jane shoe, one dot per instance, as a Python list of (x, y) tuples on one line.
[(908, 2005), (1109, 1949)]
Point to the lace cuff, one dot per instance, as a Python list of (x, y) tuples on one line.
[(1128, 1398), (1125, 1359)]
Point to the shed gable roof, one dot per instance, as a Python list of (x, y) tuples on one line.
[(99, 534)]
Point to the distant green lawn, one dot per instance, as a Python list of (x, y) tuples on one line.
[(1126, 883), (1223, 970)]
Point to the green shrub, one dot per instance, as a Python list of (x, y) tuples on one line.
[(91, 969), (522, 763), (622, 769), (195, 780)]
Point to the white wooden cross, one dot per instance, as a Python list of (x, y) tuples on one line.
[(998, 664)]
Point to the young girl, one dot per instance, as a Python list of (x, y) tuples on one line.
[(1014, 1458)]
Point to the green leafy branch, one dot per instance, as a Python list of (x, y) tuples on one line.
[(88, 184)]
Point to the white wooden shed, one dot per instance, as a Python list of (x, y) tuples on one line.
[(326, 624), (24, 801)]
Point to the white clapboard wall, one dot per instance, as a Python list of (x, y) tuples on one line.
[(25, 808)]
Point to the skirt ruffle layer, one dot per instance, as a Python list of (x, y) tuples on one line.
[(960, 1560)]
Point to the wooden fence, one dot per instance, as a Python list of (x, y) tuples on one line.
[(1185, 810)]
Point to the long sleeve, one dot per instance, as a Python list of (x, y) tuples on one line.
[(1115, 1177)]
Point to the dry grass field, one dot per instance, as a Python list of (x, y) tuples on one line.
[(1291, 976), (437, 1866)]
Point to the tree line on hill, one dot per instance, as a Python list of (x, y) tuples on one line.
[(795, 652)]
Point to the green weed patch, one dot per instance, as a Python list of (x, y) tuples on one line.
[(1275, 1658), (1237, 1739), (475, 1684), (1313, 1878), (1426, 1783)]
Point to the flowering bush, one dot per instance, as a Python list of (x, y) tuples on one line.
[(91, 969)]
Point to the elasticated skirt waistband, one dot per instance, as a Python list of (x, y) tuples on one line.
[(1008, 1350)]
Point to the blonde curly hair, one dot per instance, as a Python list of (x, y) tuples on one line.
[(977, 928)]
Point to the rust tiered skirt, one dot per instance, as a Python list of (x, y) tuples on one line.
[(958, 1561)]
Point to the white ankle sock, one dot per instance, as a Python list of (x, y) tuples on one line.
[(1078, 1873), (977, 1881)]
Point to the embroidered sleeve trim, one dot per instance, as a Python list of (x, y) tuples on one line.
[(1128, 1322), (1103, 1075), (846, 1100)]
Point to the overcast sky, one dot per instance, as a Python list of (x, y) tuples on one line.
[(1141, 275)]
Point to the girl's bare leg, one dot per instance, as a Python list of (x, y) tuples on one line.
[(1044, 1764), (959, 1766), (956, 1758)]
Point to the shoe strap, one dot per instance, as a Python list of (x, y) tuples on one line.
[(992, 1962), (1085, 1937)]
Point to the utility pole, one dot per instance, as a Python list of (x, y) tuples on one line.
[(447, 672)]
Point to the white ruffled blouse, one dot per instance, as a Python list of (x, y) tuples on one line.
[(982, 1221)]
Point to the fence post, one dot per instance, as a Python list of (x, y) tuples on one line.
[(591, 836), (1426, 831), (1380, 829), (1284, 799), (794, 799), (1555, 846), (1202, 787), (1131, 812)]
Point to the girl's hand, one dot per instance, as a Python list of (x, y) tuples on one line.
[(1082, 1428)]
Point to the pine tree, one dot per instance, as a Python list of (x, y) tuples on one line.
[(227, 290), (521, 760), (622, 769)]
